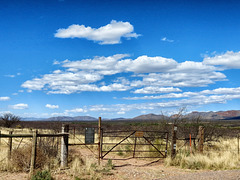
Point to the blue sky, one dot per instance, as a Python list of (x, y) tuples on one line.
[(118, 58)]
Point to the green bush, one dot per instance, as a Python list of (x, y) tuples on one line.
[(42, 175)]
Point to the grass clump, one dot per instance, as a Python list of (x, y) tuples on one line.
[(42, 175), (225, 158), (88, 168)]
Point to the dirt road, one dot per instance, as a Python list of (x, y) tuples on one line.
[(144, 170)]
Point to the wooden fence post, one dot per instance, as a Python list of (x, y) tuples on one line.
[(174, 141), (34, 152), (99, 140), (190, 143), (10, 146), (201, 139), (64, 146), (238, 142)]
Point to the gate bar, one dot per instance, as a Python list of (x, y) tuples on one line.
[(118, 144), (153, 145)]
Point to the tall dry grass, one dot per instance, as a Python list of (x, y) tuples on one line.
[(47, 151), (220, 155)]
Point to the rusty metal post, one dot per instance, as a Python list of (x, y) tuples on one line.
[(64, 146), (34, 151), (174, 141), (99, 140), (10, 146), (74, 131), (201, 139)]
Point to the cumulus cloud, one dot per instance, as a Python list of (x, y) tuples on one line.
[(4, 98), (108, 34), (104, 65), (142, 75), (186, 102), (229, 60), (226, 92), (19, 106), (76, 110), (50, 106), (145, 64), (187, 99)]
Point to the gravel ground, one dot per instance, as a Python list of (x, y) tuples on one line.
[(207, 175), (136, 169), (147, 174)]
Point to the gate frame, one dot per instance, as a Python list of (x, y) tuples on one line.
[(134, 150)]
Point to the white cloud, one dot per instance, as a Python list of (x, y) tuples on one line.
[(19, 106), (151, 75), (60, 114), (108, 34), (145, 64), (229, 60), (10, 75), (52, 106), (188, 99), (156, 90), (103, 65), (5, 112), (121, 112), (166, 39), (4, 98), (226, 92), (77, 110), (179, 79)]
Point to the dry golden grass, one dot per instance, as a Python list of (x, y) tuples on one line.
[(21, 151), (219, 156)]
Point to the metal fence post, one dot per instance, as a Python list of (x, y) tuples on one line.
[(64, 146), (99, 140), (174, 141)]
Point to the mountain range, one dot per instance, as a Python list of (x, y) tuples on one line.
[(219, 115)]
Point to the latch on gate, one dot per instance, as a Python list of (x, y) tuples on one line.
[(139, 134)]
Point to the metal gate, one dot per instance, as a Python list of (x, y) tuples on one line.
[(133, 144)]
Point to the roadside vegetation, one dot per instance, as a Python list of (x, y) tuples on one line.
[(220, 147), (220, 155)]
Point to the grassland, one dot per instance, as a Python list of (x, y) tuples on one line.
[(220, 147)]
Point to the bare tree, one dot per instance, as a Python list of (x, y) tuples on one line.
[(9, 119)]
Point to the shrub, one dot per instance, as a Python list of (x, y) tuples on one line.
[(9, 119), (45, 156), (42, 175)]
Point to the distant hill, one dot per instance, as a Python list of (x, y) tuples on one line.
[(32, 119), (219, 115), (68, 118), (150, 117), (117, 119)]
